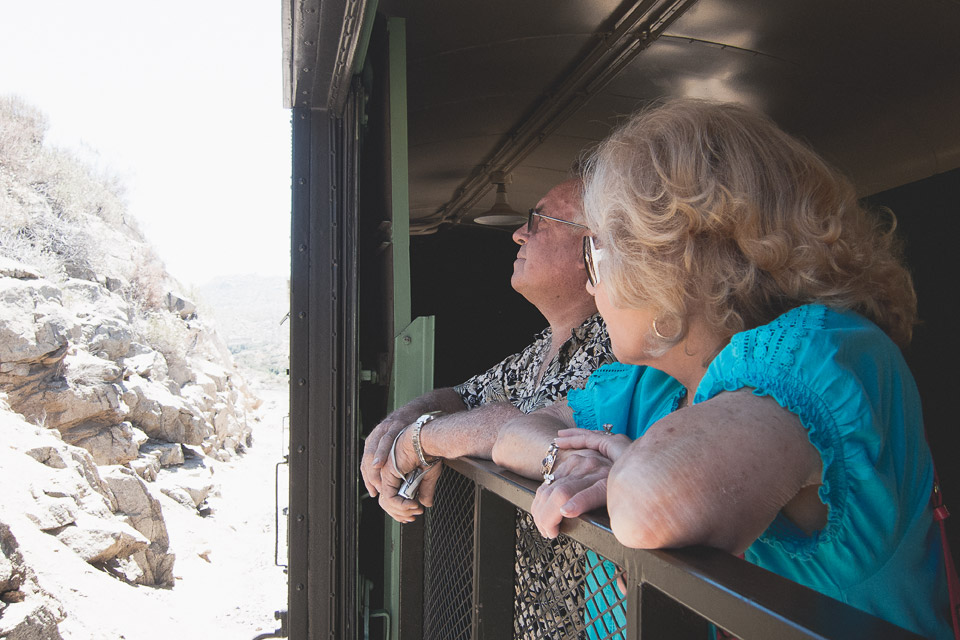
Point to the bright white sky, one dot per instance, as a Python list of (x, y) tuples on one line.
[(181, 98)]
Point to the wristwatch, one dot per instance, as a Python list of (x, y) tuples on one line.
[(546, 465), (415, 435)]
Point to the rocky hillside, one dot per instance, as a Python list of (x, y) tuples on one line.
[(113, 391), (250, 311)]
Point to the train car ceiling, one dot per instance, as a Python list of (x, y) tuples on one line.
[(523, 88)]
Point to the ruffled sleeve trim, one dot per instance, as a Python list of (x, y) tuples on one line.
[(583, 410), (760, 360)]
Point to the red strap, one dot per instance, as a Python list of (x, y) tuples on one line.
[(940, 513)]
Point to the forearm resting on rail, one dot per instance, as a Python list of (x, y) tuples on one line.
[(522, 442), (467, 433), (714, 474)]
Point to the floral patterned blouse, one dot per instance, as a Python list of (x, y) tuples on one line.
[(515, 378)]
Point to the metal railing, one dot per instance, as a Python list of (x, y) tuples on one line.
[(489, 574)]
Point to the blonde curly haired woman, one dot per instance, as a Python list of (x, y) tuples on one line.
[(729, 257)]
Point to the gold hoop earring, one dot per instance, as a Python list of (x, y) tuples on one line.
[(657, 331)]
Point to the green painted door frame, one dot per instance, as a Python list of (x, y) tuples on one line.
[(412, 370)]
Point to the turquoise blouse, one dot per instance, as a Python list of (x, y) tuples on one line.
[(850, 387)]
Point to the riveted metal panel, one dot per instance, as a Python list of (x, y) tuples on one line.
[(323, 432)]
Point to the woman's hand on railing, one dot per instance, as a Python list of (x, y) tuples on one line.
[(610, 446), (581, 473), (580, 486)]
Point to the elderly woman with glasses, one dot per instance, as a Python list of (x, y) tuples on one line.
[(776, 415)]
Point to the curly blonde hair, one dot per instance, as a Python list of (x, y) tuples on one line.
[(709, 208)]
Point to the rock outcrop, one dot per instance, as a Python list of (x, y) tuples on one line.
[(27, 612), (94, 414), (72, 358)]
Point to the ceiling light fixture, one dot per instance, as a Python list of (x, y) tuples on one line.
[(501, 214)]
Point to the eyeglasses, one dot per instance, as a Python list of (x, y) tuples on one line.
[(591, 258), (533, 214)]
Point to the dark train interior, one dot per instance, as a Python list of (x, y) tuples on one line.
[(874, 87), (510, 94)]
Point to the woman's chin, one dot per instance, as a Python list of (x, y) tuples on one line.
[(639, 354), (626, 358)]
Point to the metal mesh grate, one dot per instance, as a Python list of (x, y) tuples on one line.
[(562, 590), (448, 560), (548, 602)]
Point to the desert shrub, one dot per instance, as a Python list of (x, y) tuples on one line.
[(53, 202), (149, 283), (75, 187), (22, 130), (55, 245), (167, 333), (85, 370), (15, 246)]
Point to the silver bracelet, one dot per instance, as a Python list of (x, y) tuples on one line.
[(415, 434), (546, 465), (393, 452), (411, 481)]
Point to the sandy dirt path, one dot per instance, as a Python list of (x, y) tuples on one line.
[(225, 562)]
